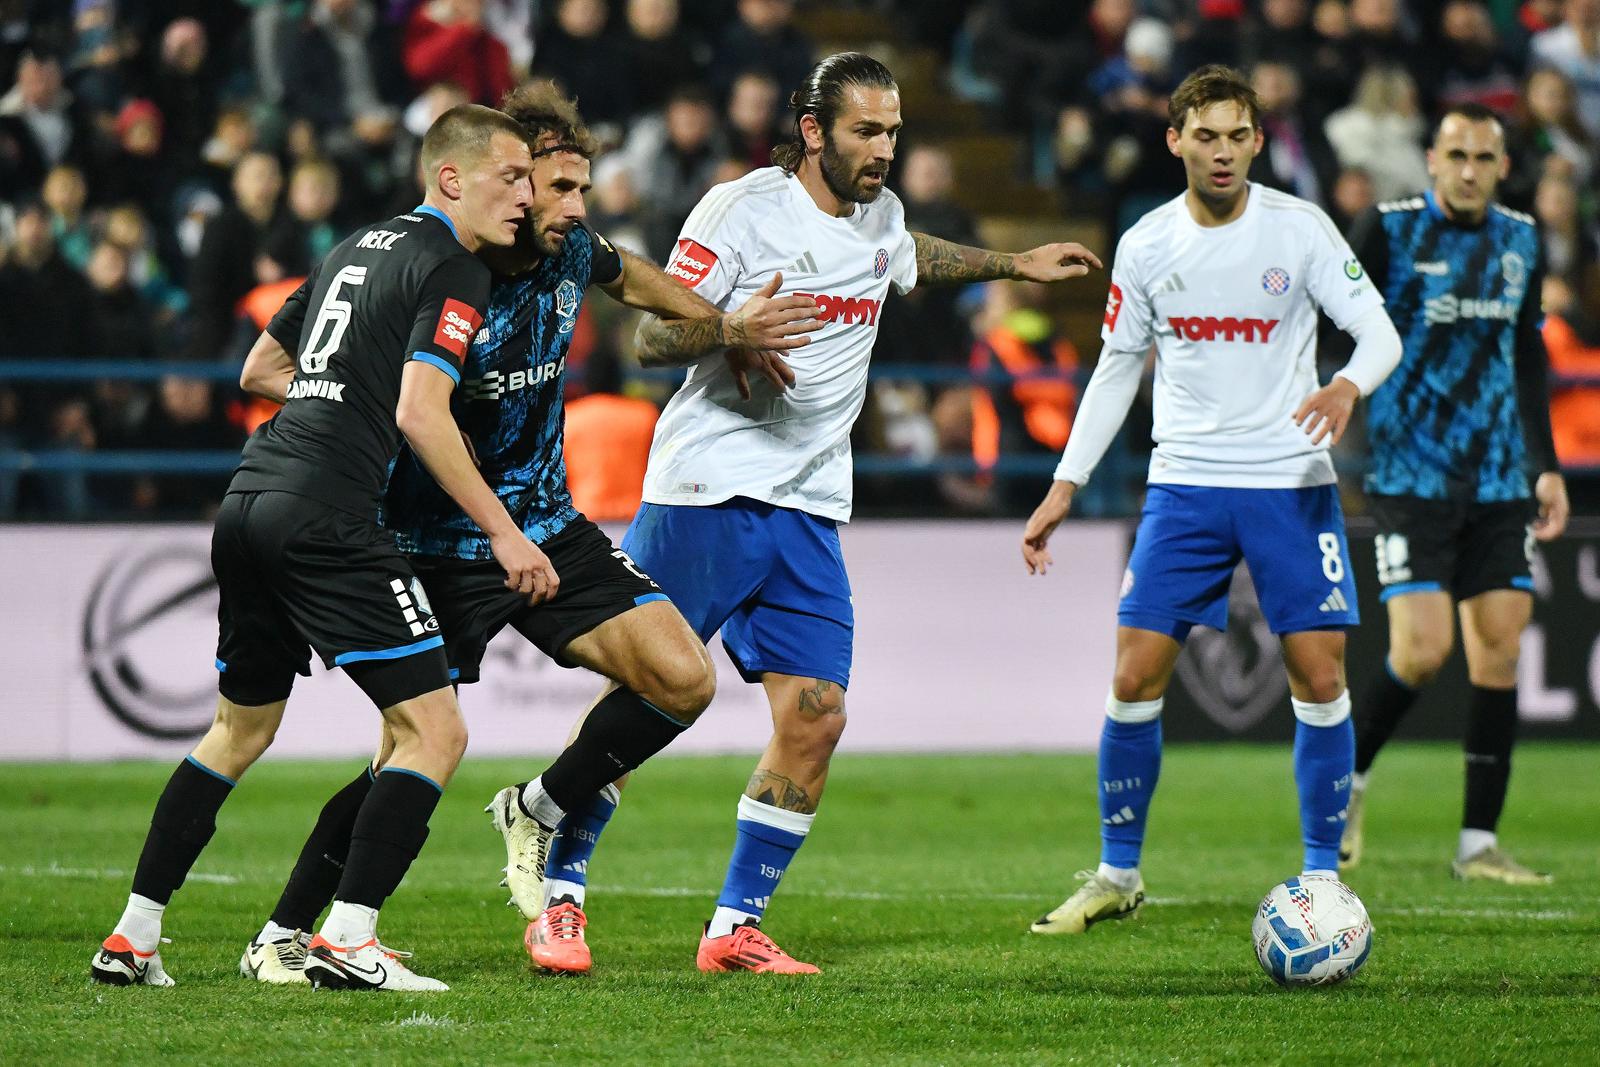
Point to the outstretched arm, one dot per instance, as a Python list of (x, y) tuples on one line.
[(939, 260)]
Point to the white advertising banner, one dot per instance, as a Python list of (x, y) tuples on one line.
[(109, 633)]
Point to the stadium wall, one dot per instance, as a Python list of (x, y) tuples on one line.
[(109, 635)]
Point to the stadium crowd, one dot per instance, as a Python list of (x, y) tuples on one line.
[(169, 170)]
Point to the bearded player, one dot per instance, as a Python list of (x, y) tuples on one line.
[(747, 487), (1225, 281)]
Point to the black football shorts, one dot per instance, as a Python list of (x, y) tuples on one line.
[(296, 575), (598, 582), (1461, 547)]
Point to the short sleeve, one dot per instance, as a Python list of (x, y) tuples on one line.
[(903, 263), (1370, 241), (606, 265), (287, 325), (449, 311), (706, 257), (1128, 323), (1336, 278)]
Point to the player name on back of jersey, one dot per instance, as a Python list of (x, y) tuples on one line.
[(315, 387)]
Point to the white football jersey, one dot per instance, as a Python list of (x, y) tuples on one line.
[(790, 448), (1232, 311)]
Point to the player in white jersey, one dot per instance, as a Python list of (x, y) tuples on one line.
[(748, 482), (1225, 282)]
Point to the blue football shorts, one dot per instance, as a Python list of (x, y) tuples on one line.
[(1191, 537), (771, 579)]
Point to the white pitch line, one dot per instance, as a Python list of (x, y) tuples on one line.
[(683, 891), (57, 871)]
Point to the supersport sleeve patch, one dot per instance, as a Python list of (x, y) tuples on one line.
[(457, 323), (691, 262)]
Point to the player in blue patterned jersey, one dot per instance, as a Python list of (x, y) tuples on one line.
[(1453, 433), (603, 613)]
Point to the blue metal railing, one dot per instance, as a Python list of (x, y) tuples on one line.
[(223, 461)]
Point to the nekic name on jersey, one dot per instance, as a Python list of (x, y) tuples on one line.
[(382, 240), (318, 387)]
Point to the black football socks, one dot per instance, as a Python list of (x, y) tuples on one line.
[(1386, 702), (183, 822), (621, 732), (322, 861), (1491, 732)]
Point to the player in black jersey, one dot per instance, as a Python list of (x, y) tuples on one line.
[(1464, 476), (609, 617), (302, 563)]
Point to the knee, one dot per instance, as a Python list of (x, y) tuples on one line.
[(813, 731), (1322, 683), (1418, 658), (436, 727), (681, 686), (245, 736), (1132, 686), (1493, 661)]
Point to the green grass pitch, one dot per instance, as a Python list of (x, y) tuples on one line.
[(914, 897)]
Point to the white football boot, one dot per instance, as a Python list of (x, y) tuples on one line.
[(365, 966), (119, 963), (527, 849), (280, 962)]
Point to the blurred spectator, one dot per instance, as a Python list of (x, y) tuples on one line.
[(1573, 48), (1377, 34), (186, 417), (184, 89), (1381, 132), (607, 444), (99, 49), (445, 40), (1296, 157), (614, 209), (127, 228), (64, 194), (305, 232), (576, 50), (1472, 66), (1353, 195), (1572, 336), (512, 23), (1569, 243), (35, 278), (753, 118), (338, 73), (1284, 34), (1030, 415), (226, 267), (673, 160), (661, 55), (119, 323), (925, 326), (233, 136), (139, 171), (37, 126), (763, 37), (1547, 138)]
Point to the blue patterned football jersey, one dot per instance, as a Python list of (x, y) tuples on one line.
[(510, 405), (1449, 422)]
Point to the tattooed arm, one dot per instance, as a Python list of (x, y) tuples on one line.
[(939, 261)]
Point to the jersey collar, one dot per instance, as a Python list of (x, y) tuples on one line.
[(1438, 212), (424, 209)]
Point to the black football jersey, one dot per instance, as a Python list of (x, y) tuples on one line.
[(397, 291)]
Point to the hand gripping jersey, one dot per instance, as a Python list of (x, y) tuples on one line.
[(1232, 311), (1446, 424), (791, 449), (510, 406), (402, 290)]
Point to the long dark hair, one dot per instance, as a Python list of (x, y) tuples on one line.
[(820, 95)]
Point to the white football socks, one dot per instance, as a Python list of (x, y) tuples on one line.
[(349, 925), (1124, 878), (723, 920), (1474, 842), (272, 933), (556, 888), (141, 923), (536, 803)]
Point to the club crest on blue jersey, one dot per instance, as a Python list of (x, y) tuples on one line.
[(567, 304), (1275, 281), (880, 263)]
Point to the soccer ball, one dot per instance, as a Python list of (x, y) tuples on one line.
[(1311, 931)]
